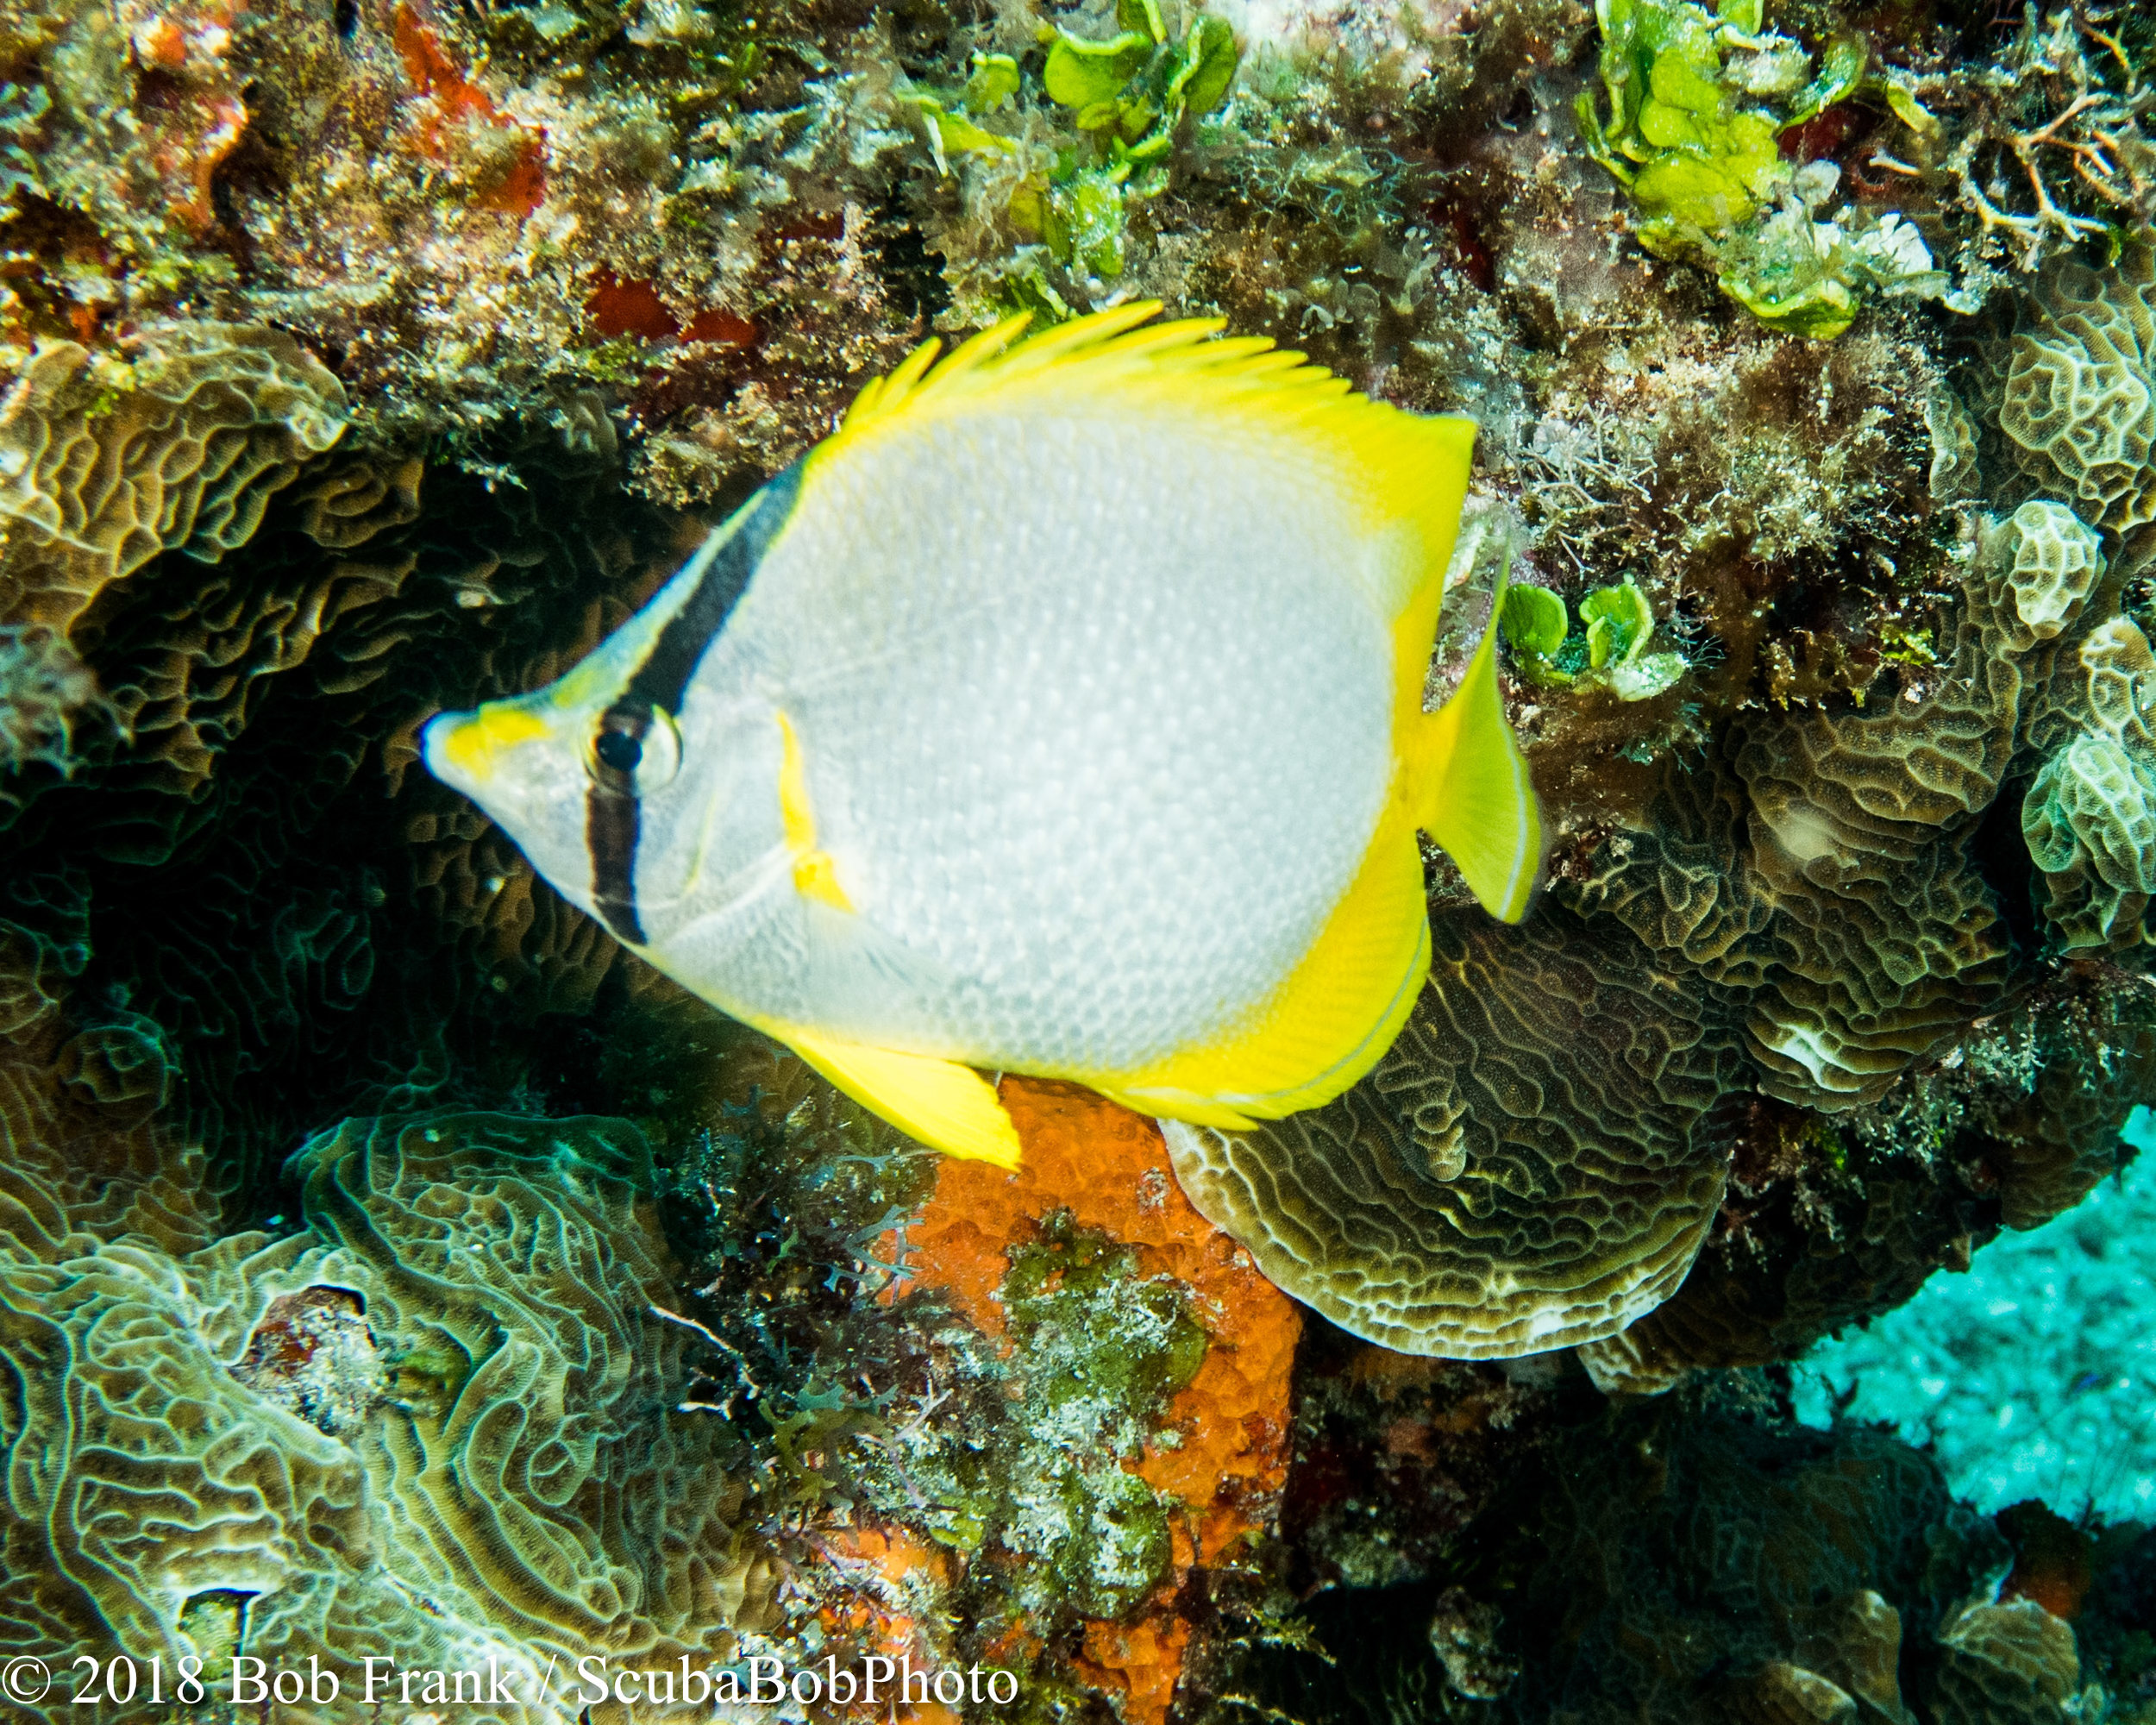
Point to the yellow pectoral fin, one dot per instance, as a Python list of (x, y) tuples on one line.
[(1329, 1023), (1469, 790), (947, 1107)]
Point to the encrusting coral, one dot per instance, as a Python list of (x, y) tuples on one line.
[(345, 1543), (281, 1447), (104, 465), (1489, 1191)]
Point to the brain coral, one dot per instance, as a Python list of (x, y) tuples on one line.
[(1535, 1163), (517, 1486), (2010, 1663), (2077, 393), (100, 471), (2089, 819), (300, 913), (1799, 913)]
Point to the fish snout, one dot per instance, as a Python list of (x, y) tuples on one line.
[(467, 750)]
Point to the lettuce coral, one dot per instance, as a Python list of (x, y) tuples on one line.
[(2075, 391), (1691, 1560), (2008, 1662), (516, 1485), (104, 465), (2089, 819), (1844, 899), (1486, 1192)]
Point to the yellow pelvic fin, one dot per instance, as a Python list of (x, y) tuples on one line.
[(1468, 787), (947, 1107), (1329, 1023), (815, 873)]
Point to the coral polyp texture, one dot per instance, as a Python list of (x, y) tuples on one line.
[(307, 1445), (2078, 400), (183, 449), (1534, 1164), (392, 1263)]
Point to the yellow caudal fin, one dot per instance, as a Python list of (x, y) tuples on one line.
[(947, 1107), (1468, 787)]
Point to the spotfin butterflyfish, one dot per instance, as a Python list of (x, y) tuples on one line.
[(1060, 713)]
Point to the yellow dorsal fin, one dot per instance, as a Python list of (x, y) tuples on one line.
[(1397, 469), (946, 1106), (1468, 787)]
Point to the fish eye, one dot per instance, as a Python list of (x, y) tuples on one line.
[(635, 749)]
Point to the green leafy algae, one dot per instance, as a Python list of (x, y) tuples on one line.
[(1699, 102), (1130, 95), (1609, 652)]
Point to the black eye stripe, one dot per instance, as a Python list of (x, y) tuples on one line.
[(612, 812), (619, 746), (609, 834)]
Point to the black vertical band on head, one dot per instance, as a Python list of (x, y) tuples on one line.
[(612, 818), (609, 834), (663, 678)]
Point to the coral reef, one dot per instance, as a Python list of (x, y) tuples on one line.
[(1715, 1564), (310, 1445), (389, 1263), (2023, 1375), (1488, 1191)]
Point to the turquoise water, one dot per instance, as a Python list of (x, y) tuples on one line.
[(2034, 1375)]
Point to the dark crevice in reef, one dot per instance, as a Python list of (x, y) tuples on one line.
[(2001, 853), (257, 869)]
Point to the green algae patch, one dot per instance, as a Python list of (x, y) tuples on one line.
[(1609, 650), (1130, 95), (1698, 103)]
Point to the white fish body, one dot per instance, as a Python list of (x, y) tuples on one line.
[(1068, 722)]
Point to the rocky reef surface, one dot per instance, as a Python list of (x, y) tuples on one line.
[(392, 1268)]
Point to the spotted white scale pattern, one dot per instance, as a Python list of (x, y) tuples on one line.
[(1096, 722)]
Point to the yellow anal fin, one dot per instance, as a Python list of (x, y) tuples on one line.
[(1329, 1023), (947, 1107), (1468, 789)]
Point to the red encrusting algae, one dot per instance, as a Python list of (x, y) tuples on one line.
[(450, 100)]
